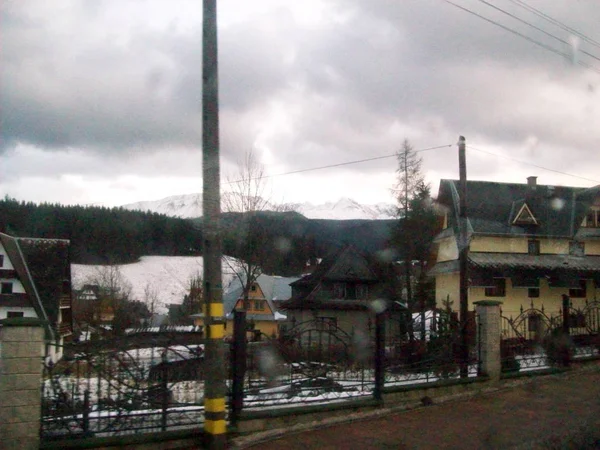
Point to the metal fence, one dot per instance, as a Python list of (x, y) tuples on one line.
[(317, 362), (431, 350), (535, 340), (116, 387)]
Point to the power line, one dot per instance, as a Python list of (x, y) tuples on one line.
[(347, 163), (536, 28), (531, 164), (538, 43), (553, 21)]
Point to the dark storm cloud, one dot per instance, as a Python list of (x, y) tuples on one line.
[(352, 87)]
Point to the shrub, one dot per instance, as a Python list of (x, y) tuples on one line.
[(559, 348)]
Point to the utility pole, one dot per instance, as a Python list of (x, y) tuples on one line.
[(463, 254), (214, 358)]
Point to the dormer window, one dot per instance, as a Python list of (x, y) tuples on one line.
[(525, 216), (592, 219)]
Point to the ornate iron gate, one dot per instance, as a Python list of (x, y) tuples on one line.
[(314, 362)]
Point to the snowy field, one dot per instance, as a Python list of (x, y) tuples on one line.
[(168, 275)]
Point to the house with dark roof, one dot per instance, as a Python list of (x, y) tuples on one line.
[(94, 306), (345, 290), (35, 281), (266, 293), (528, 244)]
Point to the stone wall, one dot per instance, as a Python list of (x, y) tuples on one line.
[(21, 352)]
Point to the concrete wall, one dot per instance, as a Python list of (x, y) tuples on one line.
[(21, 352)]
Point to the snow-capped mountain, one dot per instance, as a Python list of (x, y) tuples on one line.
[(346, 209), (188, 206)]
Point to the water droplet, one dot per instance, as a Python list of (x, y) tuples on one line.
[(283, 244), (557, 204), (378, 306)]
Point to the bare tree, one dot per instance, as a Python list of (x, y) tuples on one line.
[(113, 302), (248, 196), (151, 298)]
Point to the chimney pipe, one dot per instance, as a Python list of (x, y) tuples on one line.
[(532, 182)]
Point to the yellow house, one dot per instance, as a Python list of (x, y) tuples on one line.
[(528, 244), (262, 316)]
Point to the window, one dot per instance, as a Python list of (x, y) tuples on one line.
[(1, 260), (533, 247), (362, 291), (592, 219), (253, 288), (6, 288), (533, 292), (13, 314), (579, 292), (339, 290), (350, 291), (498, 290), (259, 305), (576, 248)]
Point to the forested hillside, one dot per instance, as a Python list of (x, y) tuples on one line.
[(114, 235), (102, 235)]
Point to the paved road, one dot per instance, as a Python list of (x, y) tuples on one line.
[(548, 409)]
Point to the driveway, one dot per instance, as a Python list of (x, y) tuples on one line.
[(556, 411)]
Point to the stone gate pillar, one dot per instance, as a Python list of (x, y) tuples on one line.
[(488, 320), (21, 358)]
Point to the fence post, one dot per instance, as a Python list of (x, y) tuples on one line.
[(488, 314), (21, 363), (566, 301), (379, 355), (238, 365), (164, 390), (86, 412)]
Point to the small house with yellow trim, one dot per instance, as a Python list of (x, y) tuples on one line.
[(262, 315), (528, 244)]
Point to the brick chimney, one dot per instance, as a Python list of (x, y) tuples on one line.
[(532, 183)]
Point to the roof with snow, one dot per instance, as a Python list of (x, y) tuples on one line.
[(274, 288)]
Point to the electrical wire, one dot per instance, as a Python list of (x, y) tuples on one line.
[(538, 43), (535, 27), (520, 161), (553, 21), (347, 163)]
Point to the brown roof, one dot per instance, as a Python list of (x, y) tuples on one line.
[(43, 267)]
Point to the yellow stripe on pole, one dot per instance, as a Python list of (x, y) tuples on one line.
[(216, 331), (214, 404), (216, 309), (215, 426)]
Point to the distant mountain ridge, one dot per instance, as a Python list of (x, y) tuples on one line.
[(190, 206)]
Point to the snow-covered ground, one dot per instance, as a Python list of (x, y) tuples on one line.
[(168, 275)]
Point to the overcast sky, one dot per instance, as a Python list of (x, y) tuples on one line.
[(100, 100)]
